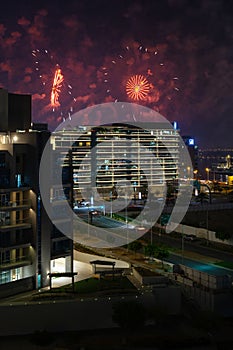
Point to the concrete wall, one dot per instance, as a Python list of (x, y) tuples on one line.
[(13, 288), (147, 280), (169, 298), (206, 280), (88, 313), (55, 317), (221, 303), (201, 233)]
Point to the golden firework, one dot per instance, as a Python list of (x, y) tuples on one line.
[(137, 87)]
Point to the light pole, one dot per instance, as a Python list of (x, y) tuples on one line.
[(195, 172), (207, 173), (126, 217), (71, 174), (88, 221), (188, 172), (182, 244), (207, 223), (111, 203)]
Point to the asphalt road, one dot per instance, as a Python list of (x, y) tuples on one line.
[(195, 247)]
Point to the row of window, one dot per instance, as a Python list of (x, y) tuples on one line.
[(10, 276)]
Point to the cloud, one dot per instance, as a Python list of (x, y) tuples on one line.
[(71, 22), (28, 70), (83, 99), (24, 22), (37, 29), (2, 29), (38, 97), (12, 39), (27, 79), (43, 12), (6, 67), (34, 31)]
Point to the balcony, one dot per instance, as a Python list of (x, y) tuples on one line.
[(14, 263), (10, 206), (6, 224), (23, 243)]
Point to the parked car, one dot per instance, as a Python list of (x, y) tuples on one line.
[(83, 203), (95, 212), (190, 237), (194, 202)]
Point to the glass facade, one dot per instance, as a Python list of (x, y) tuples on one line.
[(102, 157)]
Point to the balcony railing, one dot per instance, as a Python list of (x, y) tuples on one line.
[(14, 244), (11, 205), (20, 261), (7, 223)]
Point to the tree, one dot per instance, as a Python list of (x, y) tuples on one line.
[(135, 246), (129, 314), (223, 235), (162, 253), (150, 249)]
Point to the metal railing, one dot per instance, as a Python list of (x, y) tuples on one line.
[(4, 222), (10, 204), (22, 259)]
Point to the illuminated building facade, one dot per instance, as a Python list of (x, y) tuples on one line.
[(193, 150), (98, 157), (21, 147), (104, 157)]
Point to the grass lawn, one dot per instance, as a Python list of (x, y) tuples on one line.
[(92, 285), (227, 264), (88, 287)]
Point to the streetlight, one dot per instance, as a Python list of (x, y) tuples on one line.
[(207, 224), (182, 243), (126, 218), (71, 174), (188, 172), (195, 172), (207, 173), (111, 203)]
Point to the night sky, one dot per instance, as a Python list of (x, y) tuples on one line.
[(184, 49)]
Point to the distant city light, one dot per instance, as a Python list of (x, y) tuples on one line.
[(191, 142)]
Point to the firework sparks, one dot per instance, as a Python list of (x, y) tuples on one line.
[(56, 88), (137, 87), (47, 70), (143, 74)]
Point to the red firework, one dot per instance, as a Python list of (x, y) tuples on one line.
[(56, 88), (137, 87)]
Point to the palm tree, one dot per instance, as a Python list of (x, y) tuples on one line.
[(162, 253)]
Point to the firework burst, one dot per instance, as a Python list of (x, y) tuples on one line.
[(56, 88), (58, 93), (137, 87), (142, 74)]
